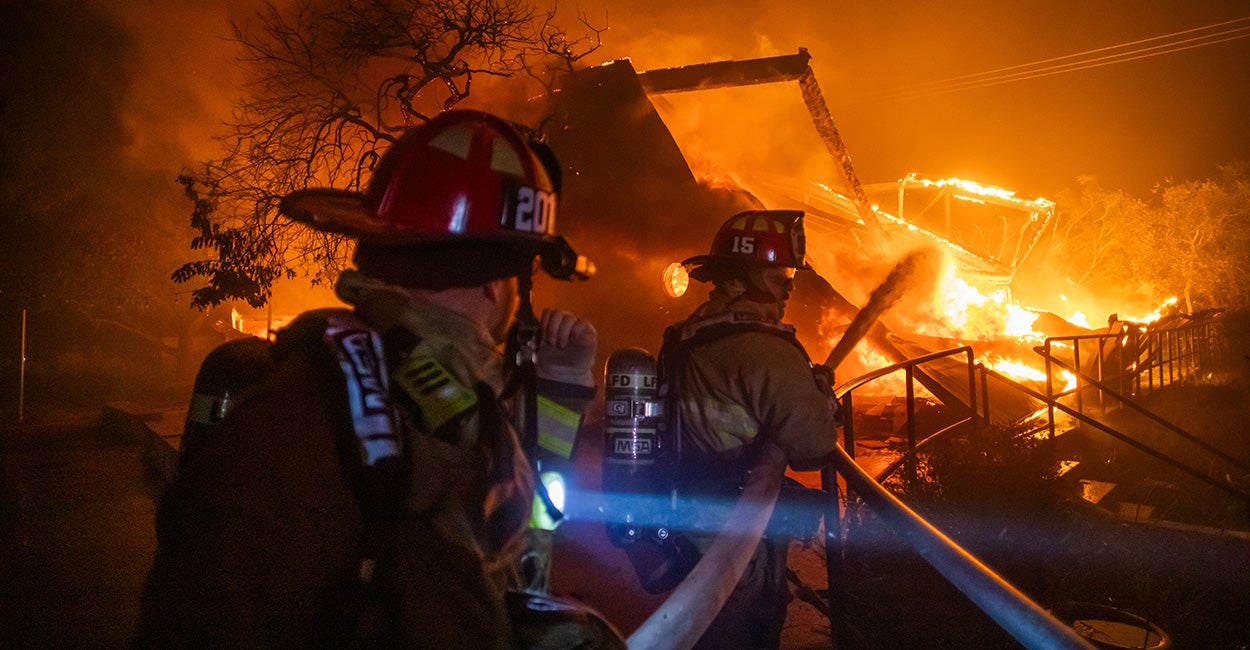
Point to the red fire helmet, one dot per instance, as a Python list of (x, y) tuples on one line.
[(463, 176), (754, 237)]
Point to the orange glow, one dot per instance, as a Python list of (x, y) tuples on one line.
[(1078, 318), (963, 312), (676, 280), (1020, 370), (259, 327), (978, 190), (866, 359), (1016, 369)]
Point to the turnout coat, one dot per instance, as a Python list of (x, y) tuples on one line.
[(261, 535)]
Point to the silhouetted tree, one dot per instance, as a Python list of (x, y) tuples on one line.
[(1191, 241), (1196, 243), (1090, 234), (332, 84)]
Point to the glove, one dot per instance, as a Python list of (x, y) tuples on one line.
[(566, 348)]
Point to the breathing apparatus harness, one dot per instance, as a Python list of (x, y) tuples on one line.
[(380, 370), (681, 339)]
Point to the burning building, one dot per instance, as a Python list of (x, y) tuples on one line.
[(657, 159)]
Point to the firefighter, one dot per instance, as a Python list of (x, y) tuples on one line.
[(374, 486), (738, 379)]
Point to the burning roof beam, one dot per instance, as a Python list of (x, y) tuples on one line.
[(975, 191), (790, 67), (726, 74)]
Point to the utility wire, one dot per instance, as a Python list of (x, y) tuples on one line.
[(1078, 61), (1087, 52)]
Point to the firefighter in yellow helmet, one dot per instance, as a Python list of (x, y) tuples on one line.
[(738, 378), (374, 486)]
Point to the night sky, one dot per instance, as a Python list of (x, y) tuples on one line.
[(885, 68)]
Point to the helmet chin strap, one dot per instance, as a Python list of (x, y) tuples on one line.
[(521, 349)]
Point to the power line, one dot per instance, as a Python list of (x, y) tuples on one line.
[(1078, 61)]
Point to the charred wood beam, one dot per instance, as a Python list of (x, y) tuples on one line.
[(822, 119), (725, 74)]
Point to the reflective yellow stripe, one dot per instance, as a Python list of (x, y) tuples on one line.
[(433, 389), (557, 427), (721, 426)]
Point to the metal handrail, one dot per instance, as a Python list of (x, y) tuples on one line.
[(886, 471), (1085, 419), (1014, 612), (887, 370), (1045, 352)]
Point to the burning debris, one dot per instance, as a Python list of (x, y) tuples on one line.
[(670, 152)]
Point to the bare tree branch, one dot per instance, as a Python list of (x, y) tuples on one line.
[(333, 83)]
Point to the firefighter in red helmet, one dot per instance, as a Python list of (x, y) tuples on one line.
[(376, 484), (738, 379)]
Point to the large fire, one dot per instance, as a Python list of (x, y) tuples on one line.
[(963, 312)]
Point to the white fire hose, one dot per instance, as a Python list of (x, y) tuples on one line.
[(688, 611)]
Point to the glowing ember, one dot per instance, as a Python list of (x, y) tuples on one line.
[(1019, 370), (1016, 369), (1079, 318), (865, 359), (259, 327)]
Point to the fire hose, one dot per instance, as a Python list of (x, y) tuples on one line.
[(687, 612)]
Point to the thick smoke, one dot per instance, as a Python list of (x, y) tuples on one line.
[(94, 135)]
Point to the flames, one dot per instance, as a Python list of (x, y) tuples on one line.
[(961, 311), (1154, 315), (260, 327)]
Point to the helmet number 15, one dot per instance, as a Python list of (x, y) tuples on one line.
[(744, 244)]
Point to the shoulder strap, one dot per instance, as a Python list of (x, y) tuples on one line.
[(366, 609), (695, 332), (356, 348)]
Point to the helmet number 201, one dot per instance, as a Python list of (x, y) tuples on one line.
[(744, 244), (535, 210)]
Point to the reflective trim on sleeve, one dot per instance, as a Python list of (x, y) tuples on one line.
[(359, 352), (557, 427)]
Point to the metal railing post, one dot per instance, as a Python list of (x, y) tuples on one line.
[(972, 388), (911, 423), (1050, 391), (1076, 362), (835, 563)]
